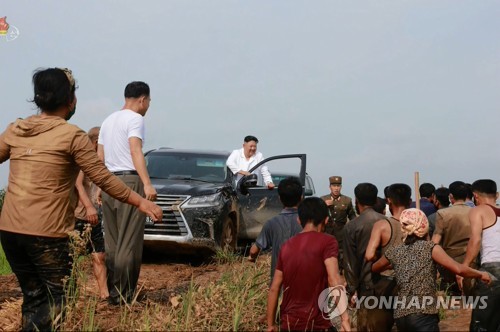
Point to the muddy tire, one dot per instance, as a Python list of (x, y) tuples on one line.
[(228, 236)]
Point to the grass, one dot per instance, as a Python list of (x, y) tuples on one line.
[(233, 299), (4, 265), (236, 300)]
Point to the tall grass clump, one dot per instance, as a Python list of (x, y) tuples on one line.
[(80, 308), (236, 301)]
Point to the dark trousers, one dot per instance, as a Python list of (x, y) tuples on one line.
[(418, 322), (488, 318), (374, 319), (40, 264), (123, 239)]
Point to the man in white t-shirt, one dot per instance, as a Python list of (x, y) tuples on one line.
[(120, 146), (242, 160)]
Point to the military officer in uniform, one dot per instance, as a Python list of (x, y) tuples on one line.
[(340, 209)]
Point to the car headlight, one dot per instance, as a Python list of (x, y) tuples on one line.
[(202, 201)]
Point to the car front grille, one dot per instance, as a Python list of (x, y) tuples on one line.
[(172, 222)]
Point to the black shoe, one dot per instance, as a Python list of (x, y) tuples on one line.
[(114, 301)]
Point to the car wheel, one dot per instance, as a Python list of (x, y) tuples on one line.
[(228, 236)]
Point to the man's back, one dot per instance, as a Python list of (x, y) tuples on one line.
[(114, 136), (453, 225), (277, 231), (356, 238), (301, 260)]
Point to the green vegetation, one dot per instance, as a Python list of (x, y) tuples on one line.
[(232, 298), (4, 265)]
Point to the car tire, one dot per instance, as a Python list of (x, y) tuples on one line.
[(228, 236)]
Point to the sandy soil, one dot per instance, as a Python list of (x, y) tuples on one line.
[(160, 281)]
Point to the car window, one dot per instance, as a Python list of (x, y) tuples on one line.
[(187, 166)]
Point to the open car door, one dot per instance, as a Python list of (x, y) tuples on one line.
[(257, 203)]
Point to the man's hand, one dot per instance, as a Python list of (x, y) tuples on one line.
[(150, 192), (254, 253), (244, 173), (151, 210), (98, 196), (271, 328), (270, 186), (329, 202), (354, 297), (460, 282), (485, 277), (91, 215)]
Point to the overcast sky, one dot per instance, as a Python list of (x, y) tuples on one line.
[(372, 91)]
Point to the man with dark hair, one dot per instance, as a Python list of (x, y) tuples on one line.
[(452, 231), (386, 233), (120, 147), (307, 265), (340, 210), (468, 199), (441, 201), (485, 233), (282, 227), (427, 196), (357, 270), (380, 206), (240, 161)]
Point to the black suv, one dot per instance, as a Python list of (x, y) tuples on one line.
[(202, 204)]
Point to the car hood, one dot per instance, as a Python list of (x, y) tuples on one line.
[(185, 187)]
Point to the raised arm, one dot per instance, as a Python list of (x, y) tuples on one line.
[(440, 257)]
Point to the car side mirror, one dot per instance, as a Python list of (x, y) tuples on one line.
[(246, 182)]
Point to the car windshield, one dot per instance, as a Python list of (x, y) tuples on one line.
[(186, 166)]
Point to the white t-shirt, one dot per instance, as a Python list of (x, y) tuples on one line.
[(238, 162), (115, 132)]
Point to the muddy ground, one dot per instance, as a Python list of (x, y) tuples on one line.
[(160, 281)]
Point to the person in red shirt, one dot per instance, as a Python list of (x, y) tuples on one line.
[(307, 265)]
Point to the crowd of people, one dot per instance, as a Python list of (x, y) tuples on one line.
[(62, 179), (388, 254)]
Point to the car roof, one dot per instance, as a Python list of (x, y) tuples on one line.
[(218, 153), (285, 174)]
